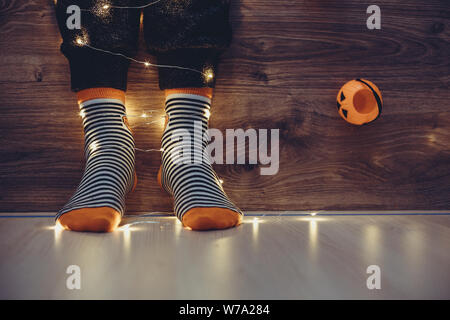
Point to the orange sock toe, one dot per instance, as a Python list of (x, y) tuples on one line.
[(102, 219), (211, 218)]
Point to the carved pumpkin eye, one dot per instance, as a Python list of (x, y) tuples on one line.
[(344, 112), (341, 98)]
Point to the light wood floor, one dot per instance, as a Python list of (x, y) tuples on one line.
[(274, 256)]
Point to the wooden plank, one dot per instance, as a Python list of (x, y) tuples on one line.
[(283, 70)]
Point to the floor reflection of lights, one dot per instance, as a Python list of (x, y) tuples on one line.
[(255, 222), (132, 225), (313, 219), (372, 243), (313, 232), (128, 228), (57, 229)]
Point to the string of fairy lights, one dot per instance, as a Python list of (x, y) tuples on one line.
[(102, 9)]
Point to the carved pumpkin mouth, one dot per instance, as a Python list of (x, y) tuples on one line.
[(364, 101)]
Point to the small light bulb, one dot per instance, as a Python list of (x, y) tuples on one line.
[(313, 213), (221, 181), (79, 41), (207, 113), (208, 75), (93, 146), (162, 150), (58, 226), (101, 9), (144, 115), (147, 64), (82, 114)]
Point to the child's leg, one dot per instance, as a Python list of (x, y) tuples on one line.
[(100, 82), (193, 36)]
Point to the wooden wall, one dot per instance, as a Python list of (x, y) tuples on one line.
[(286, 64)]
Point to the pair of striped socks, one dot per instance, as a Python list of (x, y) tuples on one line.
[(99, 201)]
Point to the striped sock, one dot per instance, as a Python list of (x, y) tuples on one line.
[(199, 199), (99, 200)]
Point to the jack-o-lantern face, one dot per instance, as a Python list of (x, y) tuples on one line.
[(359, 101)]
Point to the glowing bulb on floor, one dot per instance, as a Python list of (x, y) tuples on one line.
[(57, 231), (313, 213), (58, 226)]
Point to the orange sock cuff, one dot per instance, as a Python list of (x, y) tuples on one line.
[(206, 92), (98, 93)]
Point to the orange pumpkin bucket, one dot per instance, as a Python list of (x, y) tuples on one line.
[(359, 101)]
